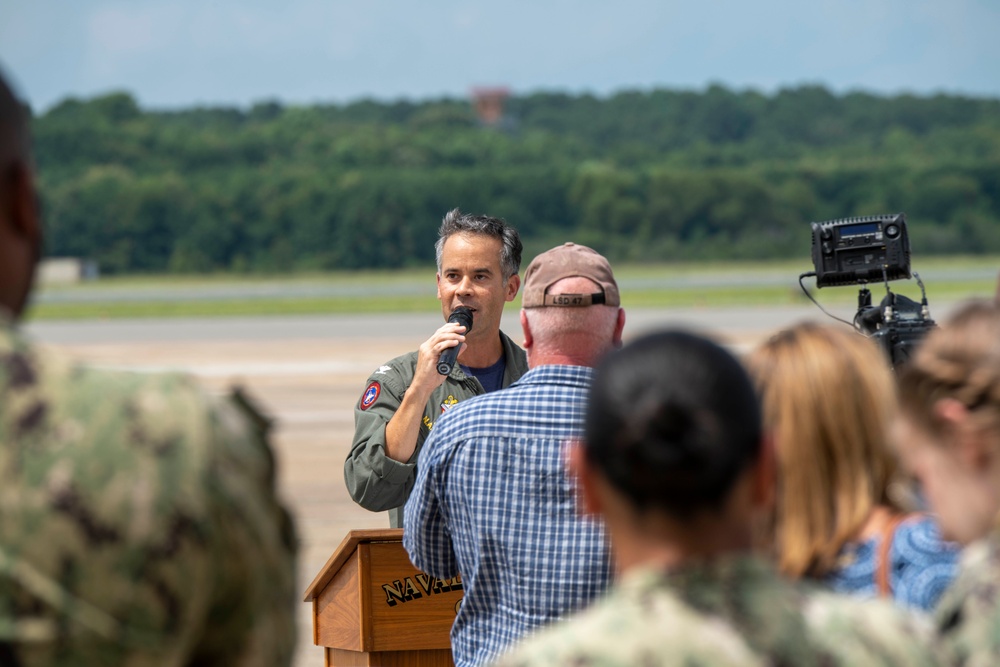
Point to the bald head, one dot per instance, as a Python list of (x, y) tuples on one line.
[(20, 228)]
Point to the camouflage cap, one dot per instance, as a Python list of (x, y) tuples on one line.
[(568, 261)]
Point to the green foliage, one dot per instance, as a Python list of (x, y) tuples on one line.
[(641, 175)]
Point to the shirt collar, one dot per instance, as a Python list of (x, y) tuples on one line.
[(579, 376)]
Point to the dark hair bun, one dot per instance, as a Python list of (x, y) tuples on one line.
[(672, 420)]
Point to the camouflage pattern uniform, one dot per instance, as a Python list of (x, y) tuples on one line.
[(138, 521), (732, 611), (968, 614), (377, 482)]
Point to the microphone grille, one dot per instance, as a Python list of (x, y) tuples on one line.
[(462, 315)]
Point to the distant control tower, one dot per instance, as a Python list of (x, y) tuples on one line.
[(489, 103)]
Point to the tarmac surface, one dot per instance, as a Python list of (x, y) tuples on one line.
[(309, 371)]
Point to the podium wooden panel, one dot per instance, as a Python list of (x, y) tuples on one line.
[(372, 608)]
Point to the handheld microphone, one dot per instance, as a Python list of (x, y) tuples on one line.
[(461, 315)]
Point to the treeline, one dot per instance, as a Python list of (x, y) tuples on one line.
[(644, 176)]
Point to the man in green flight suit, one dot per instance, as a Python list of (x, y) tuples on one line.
[(478, 259), (138, 518)]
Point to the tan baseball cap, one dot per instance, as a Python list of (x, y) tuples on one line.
[(568, 261)]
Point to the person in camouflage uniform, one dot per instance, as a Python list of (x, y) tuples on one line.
[(672, 458), (138, 518), (949, 437)]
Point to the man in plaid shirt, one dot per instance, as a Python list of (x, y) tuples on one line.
[(492, 500)]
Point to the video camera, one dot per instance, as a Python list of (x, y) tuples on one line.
[(857, 251)]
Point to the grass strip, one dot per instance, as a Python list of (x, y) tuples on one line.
[(674, 297)]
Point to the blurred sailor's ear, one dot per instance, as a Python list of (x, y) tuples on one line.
[(23, 203)]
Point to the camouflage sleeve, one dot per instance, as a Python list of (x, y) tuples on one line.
[(375, 481), (747, 622), (871, 631), (253, 607), (967, 618), (140, 523), (622, 635)]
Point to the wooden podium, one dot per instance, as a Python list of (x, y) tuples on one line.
[(372, 608)]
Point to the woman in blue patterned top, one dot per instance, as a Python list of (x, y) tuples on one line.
[(829, 400)]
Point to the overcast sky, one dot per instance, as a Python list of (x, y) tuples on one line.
[(181, 53)]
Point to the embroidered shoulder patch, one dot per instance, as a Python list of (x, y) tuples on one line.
[(370, 395)]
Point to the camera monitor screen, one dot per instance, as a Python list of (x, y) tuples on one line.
[(861, 230), (854, 251)]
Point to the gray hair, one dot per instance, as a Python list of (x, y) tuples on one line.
[(456, 222)]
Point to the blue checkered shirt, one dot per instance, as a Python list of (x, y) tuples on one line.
[(492, 501)]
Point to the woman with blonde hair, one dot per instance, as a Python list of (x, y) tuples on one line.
[(949, 437), (829, 400)]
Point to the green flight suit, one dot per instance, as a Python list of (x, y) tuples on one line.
[(377, 482)]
